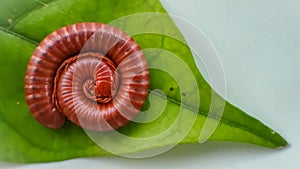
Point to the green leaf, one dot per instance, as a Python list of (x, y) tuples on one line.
[(23, 24)]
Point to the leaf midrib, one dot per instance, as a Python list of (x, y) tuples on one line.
[(19, 36), (225, 121)]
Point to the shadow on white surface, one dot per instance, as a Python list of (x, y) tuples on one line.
[(211, 154)]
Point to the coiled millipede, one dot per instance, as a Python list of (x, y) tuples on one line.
[(92, 73)]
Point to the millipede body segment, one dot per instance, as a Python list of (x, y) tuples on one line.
[(92, 73)]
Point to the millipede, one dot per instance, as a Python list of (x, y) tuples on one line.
[(93, 74)]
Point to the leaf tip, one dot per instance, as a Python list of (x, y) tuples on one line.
[(280, 142)]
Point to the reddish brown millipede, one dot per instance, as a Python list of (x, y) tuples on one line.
[(92, 73)]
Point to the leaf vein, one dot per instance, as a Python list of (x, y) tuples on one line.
[(17, 35)]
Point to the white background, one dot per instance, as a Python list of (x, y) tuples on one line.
[(259, 45)]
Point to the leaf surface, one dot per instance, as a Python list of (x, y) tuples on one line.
[(23, 24)]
